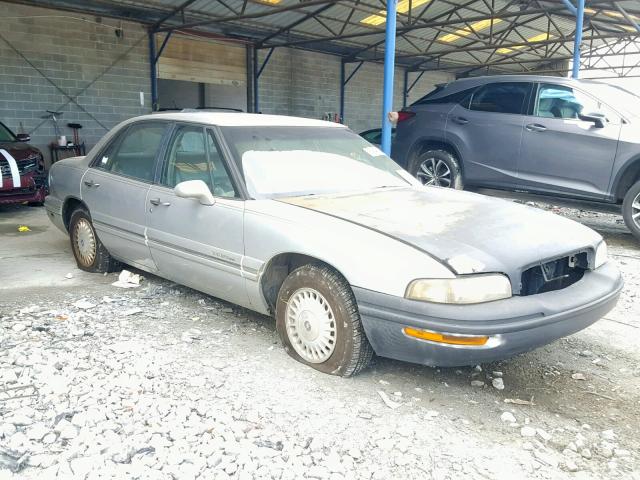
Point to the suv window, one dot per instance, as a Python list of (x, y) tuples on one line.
[(461, 97), (561, 101), (506, 97), (133, 154), (194, 155)]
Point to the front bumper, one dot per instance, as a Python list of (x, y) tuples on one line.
[(514, 325), (33, 188)]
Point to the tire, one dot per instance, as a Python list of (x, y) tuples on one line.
[(318, 302), (631, 208), (95, 258), (450, 174)]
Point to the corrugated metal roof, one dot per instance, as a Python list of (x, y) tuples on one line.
[(436, 32)]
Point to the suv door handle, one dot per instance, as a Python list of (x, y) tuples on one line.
[(156, 201), (460, 120), (91, 183), (535, 127)]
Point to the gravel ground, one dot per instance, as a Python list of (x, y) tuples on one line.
[(161, 381)]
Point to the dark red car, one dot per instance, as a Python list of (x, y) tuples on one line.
[(22, 173)]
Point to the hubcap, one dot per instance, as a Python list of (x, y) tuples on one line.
[(433, 171), (311, 326), (635, 210), (85, 242)]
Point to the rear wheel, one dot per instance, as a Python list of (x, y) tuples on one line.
[(439, 168), (88, 250), (318, 321), (631, 209)]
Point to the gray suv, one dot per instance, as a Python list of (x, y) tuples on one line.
[(545, 135)]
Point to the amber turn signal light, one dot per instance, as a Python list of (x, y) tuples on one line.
[(444, 338)]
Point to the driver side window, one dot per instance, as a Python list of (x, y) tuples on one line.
[(561, 101), (194, 155)]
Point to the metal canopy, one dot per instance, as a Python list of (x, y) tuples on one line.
[(463, 36)]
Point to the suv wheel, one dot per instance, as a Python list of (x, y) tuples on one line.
[(631, 209), (438, 168), (318, 321)]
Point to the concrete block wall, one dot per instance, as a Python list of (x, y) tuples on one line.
[(307, 84), (72, 51)]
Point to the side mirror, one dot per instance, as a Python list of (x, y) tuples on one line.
[(596, 118), (195, 189), (23, 137)]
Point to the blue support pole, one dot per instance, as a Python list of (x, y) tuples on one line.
[(153, 61), (342, 84), (578, 39), (389, 66), (256, 103), (405, 88)]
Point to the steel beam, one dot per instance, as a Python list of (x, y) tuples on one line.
[(250, 16), (389, 67), (577, 45), (171, 14), (153, 64)]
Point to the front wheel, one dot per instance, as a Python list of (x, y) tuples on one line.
[(318, 321), (438, 168), (631, 209)]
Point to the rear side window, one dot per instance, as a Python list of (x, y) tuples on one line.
[(507, 97), (461, 97), (134, 153)]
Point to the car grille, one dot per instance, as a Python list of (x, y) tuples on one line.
[(24, 166), (554, 275)]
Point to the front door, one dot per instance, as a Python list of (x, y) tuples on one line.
[(197, 245), (564, 154), (486, 130), (115, 190)]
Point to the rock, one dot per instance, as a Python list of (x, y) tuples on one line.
[(508, 417), (543, 434), (586, 453), (37, 431), (527, 431), (496, 374), (7, 375), (586, 353), (19, 327), (578, 376), (608, 435), (477, 383), (498, 383), (570, 465), (84, 304)]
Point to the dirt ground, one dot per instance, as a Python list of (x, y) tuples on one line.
[(161, 381)]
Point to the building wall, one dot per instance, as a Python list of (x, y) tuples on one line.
[(307, 84), (105, 74), (85, 59)]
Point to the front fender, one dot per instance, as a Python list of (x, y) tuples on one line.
[(366, 258)]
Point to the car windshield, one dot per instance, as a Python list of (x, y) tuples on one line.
[(617, 97), (296, 161), (6, 135)]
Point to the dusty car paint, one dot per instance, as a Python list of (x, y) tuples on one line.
[(379, 241)]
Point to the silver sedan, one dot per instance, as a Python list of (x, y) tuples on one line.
[(306, 221)]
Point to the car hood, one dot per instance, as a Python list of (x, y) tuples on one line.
[(470, 233), (19, 150)]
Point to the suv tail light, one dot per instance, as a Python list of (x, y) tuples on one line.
[(404, 115)]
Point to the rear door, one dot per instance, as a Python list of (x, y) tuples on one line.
[(486, 129), (115, 189), (562, 153), (197, 245)]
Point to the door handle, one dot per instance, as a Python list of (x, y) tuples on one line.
[(156, 201), (535, 127), (460, 120), (91, 183)]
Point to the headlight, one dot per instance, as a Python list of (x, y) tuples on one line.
[(601, 254), (461, 290)]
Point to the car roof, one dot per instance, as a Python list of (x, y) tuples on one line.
[(232, 119), (470, 82)]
